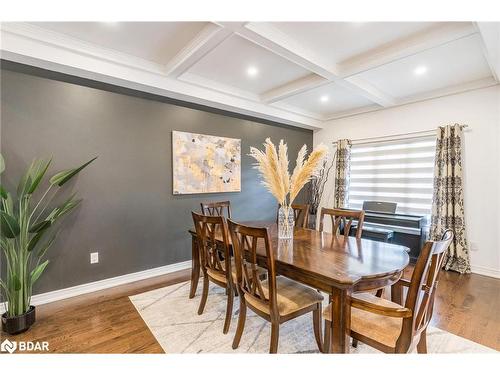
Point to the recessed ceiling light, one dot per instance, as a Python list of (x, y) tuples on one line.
[(324, 98), (252, 71), (419, 70)]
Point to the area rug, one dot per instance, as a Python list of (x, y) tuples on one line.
[(172, 318)]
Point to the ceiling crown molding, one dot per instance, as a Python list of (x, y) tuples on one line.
[(490, 33), (28, 44), (37, 46)]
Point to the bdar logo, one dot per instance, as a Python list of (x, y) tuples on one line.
[(8, 346)]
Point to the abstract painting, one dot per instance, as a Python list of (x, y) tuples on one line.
[(205, 163)]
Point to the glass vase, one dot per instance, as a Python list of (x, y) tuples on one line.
[(285, 222)]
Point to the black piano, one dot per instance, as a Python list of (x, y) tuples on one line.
[(382, 223)]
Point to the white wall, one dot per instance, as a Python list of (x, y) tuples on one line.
[(480, 109)]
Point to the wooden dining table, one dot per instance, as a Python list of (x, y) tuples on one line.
[(334, 264)]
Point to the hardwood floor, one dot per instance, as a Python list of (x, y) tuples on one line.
[(100, 322), (107, 322)]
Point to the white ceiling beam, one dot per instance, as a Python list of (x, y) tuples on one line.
[(52, 51), (217, 86), (369, 91), (429, 95), (299, 111), (293, 88), (206, 40), (451, 90), (352, 112), (490, 35), (405, 47), (274, 40)]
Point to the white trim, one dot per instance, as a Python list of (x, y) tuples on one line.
[(451, 90), (33, 45), (438, 35), (206, 40), (292, 88), (63, 54), (200, 81), (57, 295), (490, 43), (486, 271)]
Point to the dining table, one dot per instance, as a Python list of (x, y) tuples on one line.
[(335, 264)]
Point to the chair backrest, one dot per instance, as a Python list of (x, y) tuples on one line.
[(423, 284), (216, 208), (301, 215), (246, 241), (342, 218), (208, 229)]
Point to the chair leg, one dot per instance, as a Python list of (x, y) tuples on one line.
[(317, 327), (241, 323), (326, 342), (422, 344), (275, 333), (204, 295), (354, 343), (379, 293), (229, 309)]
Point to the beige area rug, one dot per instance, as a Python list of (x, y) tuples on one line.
[(172, 318)]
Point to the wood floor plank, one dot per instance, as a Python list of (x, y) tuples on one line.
[(107, 322)]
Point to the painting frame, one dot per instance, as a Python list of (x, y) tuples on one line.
[(205, 164)]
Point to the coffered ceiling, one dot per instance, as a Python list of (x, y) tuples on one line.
[(299, 73)]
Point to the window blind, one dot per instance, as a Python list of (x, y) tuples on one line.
[(398, 171)]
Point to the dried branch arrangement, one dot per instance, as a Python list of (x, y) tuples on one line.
[(273, 164), (317, 185)]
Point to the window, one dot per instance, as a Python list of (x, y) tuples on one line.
[(398, 171)]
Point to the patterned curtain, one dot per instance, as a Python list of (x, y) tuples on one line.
[(448, 197), (342, 169)]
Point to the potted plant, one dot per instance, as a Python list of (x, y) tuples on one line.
[(25, 226), (272, 163)]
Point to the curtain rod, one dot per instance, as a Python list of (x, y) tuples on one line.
[(385, 138)]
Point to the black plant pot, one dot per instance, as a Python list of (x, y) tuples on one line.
[(18, 324)]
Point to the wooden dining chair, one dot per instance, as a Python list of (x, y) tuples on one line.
[(277, 299), (216, 209), (390, 326), (342, 219), (301, 215), (216, 262)]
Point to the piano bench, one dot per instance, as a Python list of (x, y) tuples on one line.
[(376, 234)]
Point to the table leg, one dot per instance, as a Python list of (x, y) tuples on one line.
[(195, 267), (397, 293), (341, 321)]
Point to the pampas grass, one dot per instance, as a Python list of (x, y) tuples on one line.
[(273, 167)]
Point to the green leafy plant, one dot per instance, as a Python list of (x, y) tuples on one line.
[(27, 230)]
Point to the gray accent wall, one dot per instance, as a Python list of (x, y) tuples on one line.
[(129, 214)]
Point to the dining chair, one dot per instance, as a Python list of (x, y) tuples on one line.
[(277, 299), (301, 215), (216, 208), (390, 326), (342, 219), (216, 262)]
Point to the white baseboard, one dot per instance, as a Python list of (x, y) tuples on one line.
[(57, 295), (486, 271)]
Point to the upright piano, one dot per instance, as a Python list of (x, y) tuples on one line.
[(382, 223)]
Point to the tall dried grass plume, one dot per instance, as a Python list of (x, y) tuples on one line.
[(273, 163)]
